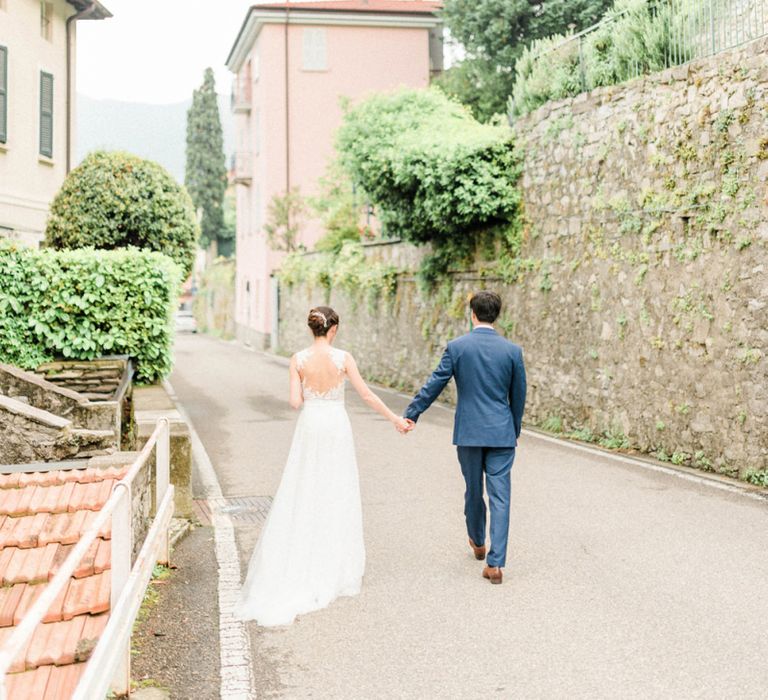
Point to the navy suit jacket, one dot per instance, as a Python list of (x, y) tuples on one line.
[(490, 379)]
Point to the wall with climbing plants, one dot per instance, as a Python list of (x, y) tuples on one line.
[(637, 283)]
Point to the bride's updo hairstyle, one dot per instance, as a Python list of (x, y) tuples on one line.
[(321, 320)]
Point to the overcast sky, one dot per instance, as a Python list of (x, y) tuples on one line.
[(157, 50)]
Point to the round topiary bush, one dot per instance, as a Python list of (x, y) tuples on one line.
[(114, 200)]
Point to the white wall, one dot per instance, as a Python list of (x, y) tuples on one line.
[(28, 181)]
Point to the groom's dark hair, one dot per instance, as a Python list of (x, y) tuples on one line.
[(486, 305)]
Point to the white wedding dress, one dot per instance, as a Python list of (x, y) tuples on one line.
[(311, 549)]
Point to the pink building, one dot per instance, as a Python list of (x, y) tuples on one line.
[(294, 62)]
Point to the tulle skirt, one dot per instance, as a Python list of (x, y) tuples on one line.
[(311, 548)]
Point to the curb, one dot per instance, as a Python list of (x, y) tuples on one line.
[(236, 665)]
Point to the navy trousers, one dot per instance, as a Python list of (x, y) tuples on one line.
[(495, 463)]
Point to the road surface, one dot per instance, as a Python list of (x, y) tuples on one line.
[(622, 582)]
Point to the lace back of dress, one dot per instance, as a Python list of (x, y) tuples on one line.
[(322, 373)]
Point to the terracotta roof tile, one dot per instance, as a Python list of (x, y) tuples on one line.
[(5, 557), (14, 572), (103, 560), (64, 528), (9, 499), (38, 645), (24, 500), (9, 481), (22, 531), (63, 681), (73, 633), (106, 529), (28, 598), (10, 596), (87, 595), (94, 626), (387, 6), (27, 685), (85, 567), (42, 517)]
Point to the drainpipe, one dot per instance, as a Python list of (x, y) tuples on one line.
[(287, 104), (83, 14)]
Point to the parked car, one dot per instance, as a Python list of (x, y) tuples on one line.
[(185, 321)]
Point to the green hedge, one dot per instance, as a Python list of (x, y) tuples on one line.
[(86, 303), (635, 38), (115, 200), (433, 172)]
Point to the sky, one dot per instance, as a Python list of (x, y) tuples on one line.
[(156, 50)]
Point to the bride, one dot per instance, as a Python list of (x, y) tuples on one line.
[(311, 548)]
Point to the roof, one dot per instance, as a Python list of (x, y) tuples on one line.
[(97, 10), (379, 6), (42, 516), (419, 14)]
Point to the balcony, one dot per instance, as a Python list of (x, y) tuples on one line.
[(241, 95), (243, 167)]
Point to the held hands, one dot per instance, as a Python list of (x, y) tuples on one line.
[(404, 425)]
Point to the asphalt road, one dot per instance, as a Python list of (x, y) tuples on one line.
[(622, 582)]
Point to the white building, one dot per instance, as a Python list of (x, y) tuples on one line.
[(37, 104)]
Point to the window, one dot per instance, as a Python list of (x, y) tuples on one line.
[(46, 20), (3, 94), (46, 115), (313, 49)]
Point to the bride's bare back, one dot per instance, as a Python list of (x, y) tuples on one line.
[(322, 372)]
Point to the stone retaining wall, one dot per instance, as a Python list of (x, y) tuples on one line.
[(641, 293)]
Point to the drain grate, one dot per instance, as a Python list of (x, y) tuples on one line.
[(242, 510)]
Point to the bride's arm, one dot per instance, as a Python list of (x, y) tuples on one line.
[(296, 398), (368, 396)]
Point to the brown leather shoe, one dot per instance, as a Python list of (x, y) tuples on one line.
[(492, 573), (479, 551)]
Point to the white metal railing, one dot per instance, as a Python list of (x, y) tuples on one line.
[(109, 665)]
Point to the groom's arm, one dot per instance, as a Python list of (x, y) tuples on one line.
[(431, 390), (517, 391)]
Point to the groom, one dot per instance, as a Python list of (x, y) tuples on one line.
[(490, 380)]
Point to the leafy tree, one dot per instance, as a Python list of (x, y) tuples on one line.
[(206, 171), (494, 34), (115, 200), (432, 171), (340, 208), (285, 215)]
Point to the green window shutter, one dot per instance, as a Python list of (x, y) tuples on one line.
[(3, 94), (46, 115)]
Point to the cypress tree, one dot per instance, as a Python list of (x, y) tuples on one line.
[(206, 171)]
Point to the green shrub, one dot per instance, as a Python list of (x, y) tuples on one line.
[(637, 37), (115, 200), (86, 303), (433, 172), (340, 208), (348, 270)]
